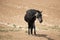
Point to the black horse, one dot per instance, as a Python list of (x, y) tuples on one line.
[(30, 18)]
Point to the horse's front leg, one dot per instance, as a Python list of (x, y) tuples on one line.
[(34, 29)]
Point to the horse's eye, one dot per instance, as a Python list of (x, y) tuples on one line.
[(39, 15)]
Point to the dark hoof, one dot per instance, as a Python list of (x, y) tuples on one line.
[(35, 34)]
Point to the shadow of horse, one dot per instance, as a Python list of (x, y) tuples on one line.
[(43, 35)]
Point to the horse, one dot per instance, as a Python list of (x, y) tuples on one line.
[(30, 18)]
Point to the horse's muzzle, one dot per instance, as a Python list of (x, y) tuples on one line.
[(41, 21)]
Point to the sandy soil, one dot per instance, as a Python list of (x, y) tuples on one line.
[(22, 35), (43, 33), (13, 11)]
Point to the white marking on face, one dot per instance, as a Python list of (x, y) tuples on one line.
[(36, 14)]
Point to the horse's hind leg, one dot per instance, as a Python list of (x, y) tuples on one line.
[(29, 29)]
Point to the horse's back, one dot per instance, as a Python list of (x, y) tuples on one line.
[(31, 11)]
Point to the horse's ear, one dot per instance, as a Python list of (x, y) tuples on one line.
[(41, 11)]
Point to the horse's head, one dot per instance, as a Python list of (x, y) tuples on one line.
[(39, 16)]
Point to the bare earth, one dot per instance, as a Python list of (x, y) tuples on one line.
[(43, 33), (22, 35)]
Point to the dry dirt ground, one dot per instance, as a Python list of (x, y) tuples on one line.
[(22, 35), (13, 11), (43, 33)]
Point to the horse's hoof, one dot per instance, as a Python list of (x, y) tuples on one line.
[(28, 32), (34, 33)]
